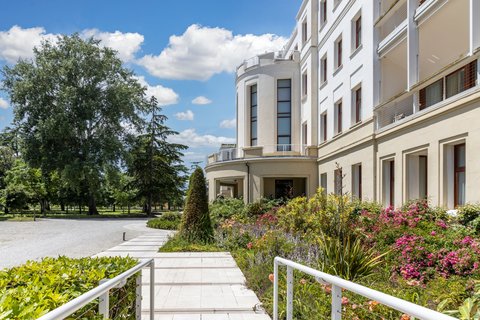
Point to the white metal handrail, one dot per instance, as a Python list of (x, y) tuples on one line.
[(102, 291), (338, 284)]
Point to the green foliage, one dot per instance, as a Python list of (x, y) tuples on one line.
[(348, 258), (78, 90), (469, 309), (225, 208), (259, 207), (35, 288), (168, 221), (178, 244), (468, 213), (196, 225)]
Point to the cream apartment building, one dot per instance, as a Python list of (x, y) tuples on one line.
[(384, 93)]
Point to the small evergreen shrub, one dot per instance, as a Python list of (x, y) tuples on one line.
[(36, 288), (225, 208), (468, 213), (196, 225), (168, 221)]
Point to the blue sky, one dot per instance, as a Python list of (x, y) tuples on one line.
[(210, 38)]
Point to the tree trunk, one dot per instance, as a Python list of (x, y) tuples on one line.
[(92, 205), (43, 207), (62, 206), (149, 205), (128, 208), (113, 207), (80, 208)]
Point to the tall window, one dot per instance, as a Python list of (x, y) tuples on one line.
[(388, 184), (461, 80), (358, 32), (304, 84), (323, 12), (284, 115), (305, 134), (358, 104), (253, 115), (338, 181), (338, 117), (357, 181), (323, 72), (459, 167), (324, 126), (304, 31), (338, 52), (323, 182)]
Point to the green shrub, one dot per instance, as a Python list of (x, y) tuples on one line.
[(222, 209), (168, 221), (259, 207), (179, 244), (196, 225), (468, 213), (35, 288)]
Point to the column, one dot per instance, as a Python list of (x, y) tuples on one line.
[(412, 43), (474, 25)]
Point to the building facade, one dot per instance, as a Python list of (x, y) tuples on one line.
[(378, 99)]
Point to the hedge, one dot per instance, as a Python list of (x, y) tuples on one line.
[(37, 287), (168, 221)]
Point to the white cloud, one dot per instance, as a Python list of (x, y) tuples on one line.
[(126, 44), (191, 156), (201, 100), (192, 139), (18, 43), (200, 52), (228, 124), (165, 96), (187, 115), (3, 104)]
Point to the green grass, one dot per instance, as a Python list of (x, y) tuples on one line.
[(177, 244)]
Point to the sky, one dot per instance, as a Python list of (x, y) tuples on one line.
[(184, 52)]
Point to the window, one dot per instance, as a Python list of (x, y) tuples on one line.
[(459, 174), (324, 126), (323, 12), (338, 181), (284, 114), (461, 80), (304, 31), (357, 104), (323, 182), (253, 115), (305, 134), (357, 181), (338, 52), (388, 182), (338, 117), (358, 32), (304, 84), (323, 71), (431, 95)]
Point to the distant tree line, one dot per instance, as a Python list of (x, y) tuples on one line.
[(85, 133)]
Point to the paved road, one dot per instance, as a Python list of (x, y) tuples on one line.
[(22, 241)]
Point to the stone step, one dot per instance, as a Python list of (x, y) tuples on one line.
[(207, 316), (197, 276)]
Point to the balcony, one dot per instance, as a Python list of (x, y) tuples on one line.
[(439, 91), (392, 25), (271, 151), (267, 59)]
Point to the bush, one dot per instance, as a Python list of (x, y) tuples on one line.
[(259, 207), (35, 288), (196, 225), (179, 244), (168, 221), (225, 208), (468, 213)]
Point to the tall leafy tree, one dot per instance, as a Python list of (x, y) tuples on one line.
[(156, 165), (74, 105)]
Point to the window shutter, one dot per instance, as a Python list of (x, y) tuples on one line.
[(470, 75), (422, 97)]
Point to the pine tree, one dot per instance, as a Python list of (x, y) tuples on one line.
[(196, 225)]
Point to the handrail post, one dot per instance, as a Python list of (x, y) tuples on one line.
[(152, 289), (138, 297), (336, 302), (103, 302), (275, 290), (289, 293)]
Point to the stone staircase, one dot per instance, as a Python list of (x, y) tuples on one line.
[(192, 285)]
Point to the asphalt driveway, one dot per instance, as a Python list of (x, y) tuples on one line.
[(22, 241)]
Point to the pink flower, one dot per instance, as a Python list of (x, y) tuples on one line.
[(249, 245), (344, 300), (433, 233)]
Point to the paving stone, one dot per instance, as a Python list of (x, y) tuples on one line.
[(196, 276)]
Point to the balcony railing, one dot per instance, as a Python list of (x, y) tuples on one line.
[(274, 150)]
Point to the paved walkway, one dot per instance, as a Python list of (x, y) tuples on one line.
[(28, 240), (193, 286)]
